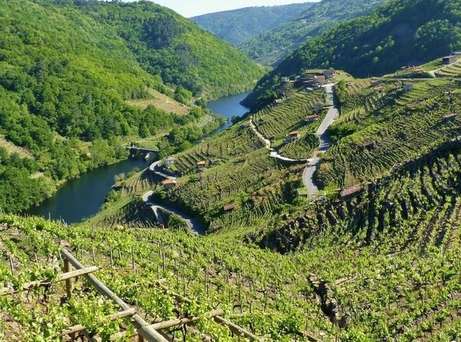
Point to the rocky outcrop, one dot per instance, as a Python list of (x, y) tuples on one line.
[(328, 303)]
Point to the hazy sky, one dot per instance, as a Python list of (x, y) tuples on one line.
[(191, 8)]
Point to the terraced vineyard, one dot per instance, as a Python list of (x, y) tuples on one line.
[(155, 271), (411, 125), (124, 205), (300, 149), (234, 183), (365, 95), (333, 289), (452, 70), (418, 206), (233, 142), (420, 91), (416, 211), (277, 121), (235, 170), (129, 211)]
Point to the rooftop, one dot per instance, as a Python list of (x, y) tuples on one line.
[(169, 181), (229, 207), (351, 191)]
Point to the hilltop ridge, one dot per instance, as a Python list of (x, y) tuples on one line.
[(376, 44)]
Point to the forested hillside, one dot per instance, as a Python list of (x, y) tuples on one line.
[(273, 45), (269, 34), (166, 44), (401, 33), (241, 25), (65, 84)]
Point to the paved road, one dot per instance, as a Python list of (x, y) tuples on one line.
[(267, 144), (322, 134), (324, 143), (153, 168), (278, 156), (192, 223), (308, 182)]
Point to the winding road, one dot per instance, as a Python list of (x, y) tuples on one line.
[(322, 134), (195, 225), (153, 168), (324, 145), (192, 223), (268, 145)]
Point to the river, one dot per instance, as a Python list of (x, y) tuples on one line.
[(83, 197), (229, 107)]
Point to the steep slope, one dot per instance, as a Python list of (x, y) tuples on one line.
[(399, 33), (64, 83), (404, 285), (241, 25), (276, 43), (166, 44)]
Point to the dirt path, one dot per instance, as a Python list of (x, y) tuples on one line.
[(268, 145)]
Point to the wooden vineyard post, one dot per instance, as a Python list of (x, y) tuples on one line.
[(11, 264), (216, 315), (67, 269), (93, 255), (240, 293), (133, 262), (206, 282), (141, 325), (111, 258)]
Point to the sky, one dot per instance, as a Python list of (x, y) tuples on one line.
[(190, 8)]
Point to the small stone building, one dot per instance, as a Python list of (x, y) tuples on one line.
[(312, 118), (201, 164), (448, 60), (229, 207), (169, 183), (353, 190), (293, 136)]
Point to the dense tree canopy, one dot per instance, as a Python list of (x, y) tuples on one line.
[(64, 84), (240, 25), (169, 45), (272, 46)]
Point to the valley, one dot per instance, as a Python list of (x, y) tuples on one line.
[(83, 198), (148, 194)]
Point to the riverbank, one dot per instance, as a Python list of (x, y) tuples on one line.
[(82, 198)]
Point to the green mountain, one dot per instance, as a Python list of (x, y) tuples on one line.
[(239, 26), (330, 214), (276, 43), (71, 86), (166, 44), (269, 34), (398, 34), (374, 256)]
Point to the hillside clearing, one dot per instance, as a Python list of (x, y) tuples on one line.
[(160, 101), (12, 148)]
